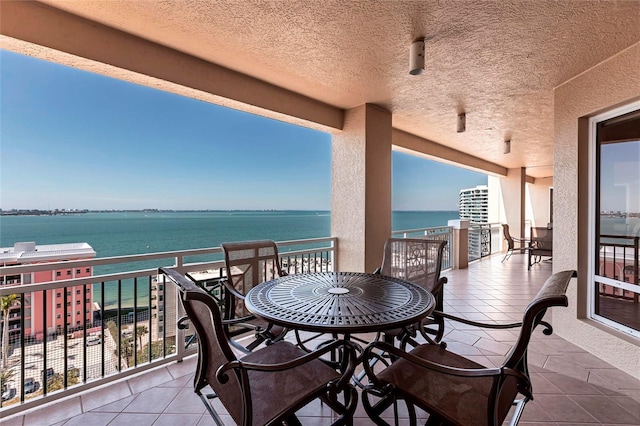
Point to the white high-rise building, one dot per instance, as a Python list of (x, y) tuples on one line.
[(474, 204)]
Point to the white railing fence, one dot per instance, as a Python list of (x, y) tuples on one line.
[(125, 318)]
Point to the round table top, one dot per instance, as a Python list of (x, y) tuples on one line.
[(340, 302)]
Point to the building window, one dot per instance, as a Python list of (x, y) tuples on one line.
[(88, 270), (77, 271), (58, 316), (77, 302), (58, 294), (614, 287), (77, 291), (57, 273), (58, 305), (69, 272)]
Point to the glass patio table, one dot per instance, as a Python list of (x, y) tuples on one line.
[(340, 302)]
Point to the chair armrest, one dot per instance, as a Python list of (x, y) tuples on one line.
[(440, 368), (348, 362), (241, 321), (181, 323), (475, 323), (232, 290)]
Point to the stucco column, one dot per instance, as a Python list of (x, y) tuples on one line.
[(361, 188), (460, 243), (513, 196), (538, 205)]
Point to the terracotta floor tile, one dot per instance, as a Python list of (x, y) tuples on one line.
[(604, 409), (563, 409)]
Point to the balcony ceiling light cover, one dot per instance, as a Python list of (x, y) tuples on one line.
[(416, 57)]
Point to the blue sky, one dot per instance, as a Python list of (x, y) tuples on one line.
[(70, 139)]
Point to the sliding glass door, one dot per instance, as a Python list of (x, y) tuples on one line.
[(615, 225)]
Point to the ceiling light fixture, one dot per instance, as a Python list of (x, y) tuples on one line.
[(416, 57), (507, 146), (462, 122)]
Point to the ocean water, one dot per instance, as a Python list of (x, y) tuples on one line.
[(128, 233), (125, 233)]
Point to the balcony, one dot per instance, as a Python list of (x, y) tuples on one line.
[(570, 384)]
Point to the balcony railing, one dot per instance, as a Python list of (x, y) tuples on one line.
[(619, 260), (442, 233), (123, 322), (484, 240)]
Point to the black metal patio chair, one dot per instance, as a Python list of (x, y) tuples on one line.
[(418, 261), (249, 263), (453, 389), (267, 386), (512, 242)]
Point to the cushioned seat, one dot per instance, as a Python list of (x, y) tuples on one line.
[(267, 386), (453, 389)]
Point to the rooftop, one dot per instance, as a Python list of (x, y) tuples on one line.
[(30, 252)]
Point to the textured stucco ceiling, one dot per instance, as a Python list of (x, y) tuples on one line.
[(497, 60)]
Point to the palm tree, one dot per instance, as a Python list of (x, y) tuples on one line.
[(5, 377), (141, 330), (6, 303)]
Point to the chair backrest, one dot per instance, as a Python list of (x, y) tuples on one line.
[(415, 260), (214, 349), (507, 236), (248, 264), (542, 238), (552, 293)]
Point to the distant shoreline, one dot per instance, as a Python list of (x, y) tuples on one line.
[(36, 212)]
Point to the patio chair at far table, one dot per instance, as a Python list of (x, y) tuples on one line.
[(418, 261), (249, 263), (541, 244), (453, 389), (267, 386), (512, 242)]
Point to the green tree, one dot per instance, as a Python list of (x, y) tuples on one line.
[(6, 303), (56, 381), (5, 377), (141, 330)]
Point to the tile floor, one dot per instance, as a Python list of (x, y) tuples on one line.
[(571, 386)]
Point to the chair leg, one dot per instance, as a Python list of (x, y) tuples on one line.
[(375, 411), (205, 399), (345, 410), (519, 404), (507, 255)]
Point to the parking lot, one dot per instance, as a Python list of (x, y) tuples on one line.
[(34, 355)]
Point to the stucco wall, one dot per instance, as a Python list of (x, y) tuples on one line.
[(610, 84), (361, 188), (538, 201), (513, 194)]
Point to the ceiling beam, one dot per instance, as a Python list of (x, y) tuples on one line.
[(42, 31), (415, 145)]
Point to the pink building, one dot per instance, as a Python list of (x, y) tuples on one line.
[(79, 301)]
